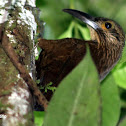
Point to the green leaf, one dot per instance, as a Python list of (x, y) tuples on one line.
[(76, 101), (38, 118), (120, 77), (119, 71), (110, 102), (68, 32), (123, 122), (85, 32), (123, 58)]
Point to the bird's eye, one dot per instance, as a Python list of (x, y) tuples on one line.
[(108, 25)]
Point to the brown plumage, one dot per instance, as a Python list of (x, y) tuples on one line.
[(59, 57)]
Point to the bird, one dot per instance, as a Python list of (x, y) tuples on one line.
[(59, 57)]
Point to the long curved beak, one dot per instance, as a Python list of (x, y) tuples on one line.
[(90, 20)]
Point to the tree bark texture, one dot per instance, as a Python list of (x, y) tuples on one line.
[(17, 22)]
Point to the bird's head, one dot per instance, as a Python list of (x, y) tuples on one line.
[(102, 30)]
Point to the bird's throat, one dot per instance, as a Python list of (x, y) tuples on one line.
[(94, 35)]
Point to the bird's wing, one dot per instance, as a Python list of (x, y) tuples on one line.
[(59, 57)]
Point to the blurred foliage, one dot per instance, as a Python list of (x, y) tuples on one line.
[(57, 21), (61, 25)]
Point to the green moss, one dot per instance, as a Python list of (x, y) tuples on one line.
[(3, 107), (5, 92)]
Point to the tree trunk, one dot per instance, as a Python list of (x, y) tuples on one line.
[(18, 22)]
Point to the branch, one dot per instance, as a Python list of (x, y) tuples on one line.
[(23, 72)]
